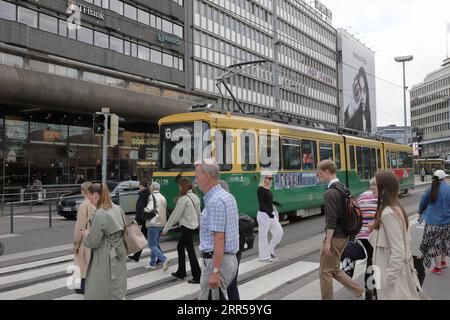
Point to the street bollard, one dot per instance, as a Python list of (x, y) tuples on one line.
[(12, 219), (50, 214)]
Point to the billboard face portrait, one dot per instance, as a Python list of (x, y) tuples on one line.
[(357, 114), (358, 84)]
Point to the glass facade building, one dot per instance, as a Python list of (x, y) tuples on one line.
[(430, 110), (126, 55), (298, 45)]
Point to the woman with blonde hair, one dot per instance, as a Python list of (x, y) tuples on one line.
[(268, 220), (81, 254), (390, 239), (107, 272)]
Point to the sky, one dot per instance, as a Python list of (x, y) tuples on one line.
[(396, 28)]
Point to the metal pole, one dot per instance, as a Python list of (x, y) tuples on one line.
[(49, 213), (12, 219), (105, 145), (404, 101), (276, 66)]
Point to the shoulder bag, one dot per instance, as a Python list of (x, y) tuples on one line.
[(150, 214), (133, 238)]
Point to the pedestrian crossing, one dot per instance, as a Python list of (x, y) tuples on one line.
[(48, 278), (260, 278)]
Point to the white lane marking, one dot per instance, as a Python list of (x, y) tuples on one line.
[(311, 291), (253, 289), (46, 286), (9, 235)]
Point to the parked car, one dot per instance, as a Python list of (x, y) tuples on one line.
[(124, 193)]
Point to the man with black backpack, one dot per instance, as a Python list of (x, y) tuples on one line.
[(336, 238)]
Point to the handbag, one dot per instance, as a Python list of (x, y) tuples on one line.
[(133, 238), (148, 213), (354, 250)]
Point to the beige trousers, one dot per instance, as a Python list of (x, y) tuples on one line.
[(330, 268)]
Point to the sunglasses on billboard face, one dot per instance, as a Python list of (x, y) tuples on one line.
[(269, 178)]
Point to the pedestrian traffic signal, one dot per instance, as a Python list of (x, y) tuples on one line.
[(99, 124), (115, 130)]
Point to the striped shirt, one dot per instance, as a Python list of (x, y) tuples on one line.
[(368, 204), (219, 215)]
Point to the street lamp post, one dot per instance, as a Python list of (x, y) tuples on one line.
[(404, 59)]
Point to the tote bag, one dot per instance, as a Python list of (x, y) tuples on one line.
[(133, 238)]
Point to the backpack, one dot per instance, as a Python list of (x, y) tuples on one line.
[(350, 218), (246, 235)]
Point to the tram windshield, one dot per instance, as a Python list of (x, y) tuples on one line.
[(182, 144)]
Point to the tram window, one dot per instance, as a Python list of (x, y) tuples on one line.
[(178, 146), (337, 155), (373, 162), (291, 154), (269, 152), (410, 160), (352, 158), (388, 159), (393, 159), (223, 141), (359, 162), (248, 151), (366, 163), (378, 159), (326, 151), (401, 159), (309, 152)]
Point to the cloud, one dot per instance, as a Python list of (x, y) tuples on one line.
[(396, 28)]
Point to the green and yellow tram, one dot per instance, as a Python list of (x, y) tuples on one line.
[(242, 146)]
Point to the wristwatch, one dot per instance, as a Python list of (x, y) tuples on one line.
[(216, 270)]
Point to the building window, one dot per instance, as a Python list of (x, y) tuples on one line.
[(116, 44), (167, 60), (12, 60), (143, 53), (116, 5), (167, 26), (101, 40), (178, 30), (156, 57), (143, 17), (7, 11), (28, 17), (62, 28), (86, 35), (48, 23), (130, 11)]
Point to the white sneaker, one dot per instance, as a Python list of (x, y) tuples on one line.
[(274, 258), (149, 267), (266, 261), (166, 265)]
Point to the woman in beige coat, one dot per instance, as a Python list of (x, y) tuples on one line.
[(81, 254), (394, 273)]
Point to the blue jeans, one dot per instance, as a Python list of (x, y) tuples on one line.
[(153, 237)]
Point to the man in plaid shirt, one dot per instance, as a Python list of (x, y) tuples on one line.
[(219, 233)]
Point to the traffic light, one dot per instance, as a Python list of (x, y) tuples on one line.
[(99, 124), (115, 130)]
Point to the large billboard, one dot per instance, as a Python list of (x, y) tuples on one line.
[(358, 95)]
